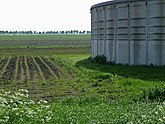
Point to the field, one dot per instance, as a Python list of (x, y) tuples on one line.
[(58, 69), (32, 62), (44, 40)]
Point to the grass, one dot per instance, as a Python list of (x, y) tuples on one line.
[(44, 51), (92, 110), (18, 109), (85, 91)]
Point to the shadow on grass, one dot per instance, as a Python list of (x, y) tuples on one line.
[(148, 73)]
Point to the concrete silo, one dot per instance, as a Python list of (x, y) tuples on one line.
[(129, 31)]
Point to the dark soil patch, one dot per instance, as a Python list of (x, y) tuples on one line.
[(19, 68), (10, 70), (2, 63), (44, 69), (53, 67), (34, 74), (25, 70)]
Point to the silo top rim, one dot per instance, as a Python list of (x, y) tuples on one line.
[(112, 2)]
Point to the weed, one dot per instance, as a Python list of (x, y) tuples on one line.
[(154, 94), (101, 59)]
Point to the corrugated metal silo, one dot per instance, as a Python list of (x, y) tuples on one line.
[(129, 31)]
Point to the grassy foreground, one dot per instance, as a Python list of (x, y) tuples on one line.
[(98, 94), (16, 108), (87, 93)]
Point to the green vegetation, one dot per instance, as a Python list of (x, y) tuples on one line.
[(78, 89), (28, 41)]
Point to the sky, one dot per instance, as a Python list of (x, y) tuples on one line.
[(46, 15)]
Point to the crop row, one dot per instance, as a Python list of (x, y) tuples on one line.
[(24, 69)]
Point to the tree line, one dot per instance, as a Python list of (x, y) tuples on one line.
[(43, 32)]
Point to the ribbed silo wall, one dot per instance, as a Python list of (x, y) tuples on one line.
[(137, 30), (129, 31), (156, 32), (122, 37)]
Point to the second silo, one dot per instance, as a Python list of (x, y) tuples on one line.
[(129, 31)]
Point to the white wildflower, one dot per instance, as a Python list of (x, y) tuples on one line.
[(156, 113), (1, 120), (14, 109), (48, 118), (43, 120), (164, 103), (143, 116), (43, 101), (26, 95), (6, 118), (160, 119), (31, 102)]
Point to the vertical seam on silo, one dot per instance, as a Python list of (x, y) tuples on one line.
[(93, 33), (147, 33), (115, 33), (104, 30), (97, 32), (129, 42), (92, 40)]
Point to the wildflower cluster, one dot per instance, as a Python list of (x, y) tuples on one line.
[(160, 113), (142, 112), (15, 107)]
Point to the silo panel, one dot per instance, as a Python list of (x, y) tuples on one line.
[(138, 30), (109, 37), (101, 24), (137, 3), (109, 7), (156, 2), (95, 52), (94, 31), (156, 30), (137, 12), (101, 15), (156, 21), (122, 23), (101, 36), (122, 13), (157, 36), (110, 14), (122, 52), (94, 26), (95, 37), (137, 53), (122, 31), (100, 47), (94, 13), (109, 50), (110, 24), (156, 52), (156, 10), (110, 31), (122, 37), (101, 31), (138, 37), (138, 23), (92, 46)]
